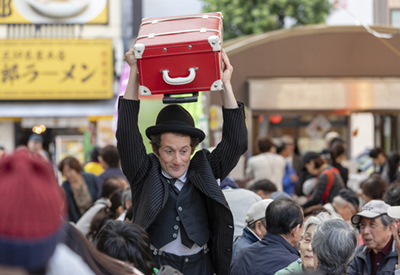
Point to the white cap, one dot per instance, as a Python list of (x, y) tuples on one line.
[(257, 211)]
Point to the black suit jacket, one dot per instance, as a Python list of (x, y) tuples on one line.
[(148, 193)]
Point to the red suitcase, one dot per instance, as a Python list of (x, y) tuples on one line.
[(179, 54)]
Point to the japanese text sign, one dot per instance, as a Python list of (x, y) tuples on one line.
[(54, 11), (56, 69)]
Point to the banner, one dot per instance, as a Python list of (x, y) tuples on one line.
[(56, 69), (53, 11)]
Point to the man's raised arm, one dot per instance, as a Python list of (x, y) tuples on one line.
[(228, 98), (132, 89)]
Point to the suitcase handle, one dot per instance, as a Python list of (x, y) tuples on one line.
[(168, 99), (179, 80)]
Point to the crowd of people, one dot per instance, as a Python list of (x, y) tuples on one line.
[(177, 210)]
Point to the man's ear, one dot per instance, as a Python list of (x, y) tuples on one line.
[(392, 227), (294, 231), (260, 193), (155, 151)]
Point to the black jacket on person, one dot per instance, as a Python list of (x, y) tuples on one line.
[(321, 186), (344, 172), (361, 264), (73, 211), (148, 195), (265, 257)]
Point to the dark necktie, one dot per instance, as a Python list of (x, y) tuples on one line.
[(172, 183)]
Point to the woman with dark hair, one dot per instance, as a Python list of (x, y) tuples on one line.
[(109, 187), (106, 215), (393, 165), (337, 153), (329, 181), (127, 242), (80, 187), (97, 261), (373, 188), (392, 196)]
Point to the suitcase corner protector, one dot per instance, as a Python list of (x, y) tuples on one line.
[(144, 91), (217, 86), (138, 49), (214, 42)]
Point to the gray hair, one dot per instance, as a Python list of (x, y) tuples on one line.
[(386, 220), (342, 202), (126, 196), (334, 243), (320, 218)]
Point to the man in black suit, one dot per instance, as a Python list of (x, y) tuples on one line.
[(176, 198)]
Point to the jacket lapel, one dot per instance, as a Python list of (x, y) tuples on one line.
[(201, 175)]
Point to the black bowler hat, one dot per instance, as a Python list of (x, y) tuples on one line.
[(175, 119)]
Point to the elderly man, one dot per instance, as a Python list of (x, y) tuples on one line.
[(256, 226), (276, 250), (345, 204), (176, 198), (378, 254)]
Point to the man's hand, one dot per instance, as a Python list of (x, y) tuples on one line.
[(396, 238), (227, 74), (294, 178), (132, 89), (130, 58), (228, 98)]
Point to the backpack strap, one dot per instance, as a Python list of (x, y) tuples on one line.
[(331, 179)]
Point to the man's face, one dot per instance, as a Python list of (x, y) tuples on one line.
[(174, 154), (346, 211), (381, 159), (290, 148), (374, 234), (298, 234), (311, 168), (34, 146)]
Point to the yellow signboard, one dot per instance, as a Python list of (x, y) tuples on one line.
[(54, 11), (56, 69)]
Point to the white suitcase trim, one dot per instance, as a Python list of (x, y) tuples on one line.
[(152, 35), (204, 16)]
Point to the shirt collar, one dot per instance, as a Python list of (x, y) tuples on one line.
[(386, 249), (258, 238), (181, 178)]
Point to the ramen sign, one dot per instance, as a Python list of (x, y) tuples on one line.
[(56, 69), (54, 11)]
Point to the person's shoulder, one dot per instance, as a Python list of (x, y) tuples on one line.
[(65, 261), (247, 194), (89, 175), (279, 158), (295, 267)]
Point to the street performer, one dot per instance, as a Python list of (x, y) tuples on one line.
[(176, 198)]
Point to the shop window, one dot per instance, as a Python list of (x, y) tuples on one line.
[(395, 17)]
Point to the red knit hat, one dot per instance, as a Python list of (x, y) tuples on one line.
[(32, 208)]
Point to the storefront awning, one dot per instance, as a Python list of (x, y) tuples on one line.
[(324, 94), (57, 108)]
